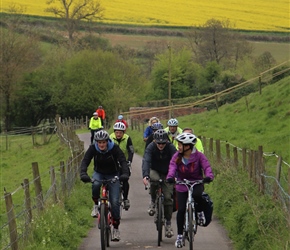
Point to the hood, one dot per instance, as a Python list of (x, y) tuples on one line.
[(110, 146)]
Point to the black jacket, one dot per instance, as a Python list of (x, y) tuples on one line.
[(157, 160), (105, 162)]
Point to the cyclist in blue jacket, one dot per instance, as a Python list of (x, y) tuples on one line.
[(107, 156)]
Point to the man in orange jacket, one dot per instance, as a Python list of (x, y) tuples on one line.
[(102, 114)]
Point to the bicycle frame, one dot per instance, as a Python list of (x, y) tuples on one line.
[(190, 224), (159, 206), (104, 216)]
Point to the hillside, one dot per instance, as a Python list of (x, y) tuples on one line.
[(265, 122)]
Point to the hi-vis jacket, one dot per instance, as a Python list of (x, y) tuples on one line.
[(95, 123), (125, 144)]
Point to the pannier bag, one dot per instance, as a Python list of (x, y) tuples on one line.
[(206, 208)]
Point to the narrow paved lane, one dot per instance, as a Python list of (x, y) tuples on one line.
[(137, 228)]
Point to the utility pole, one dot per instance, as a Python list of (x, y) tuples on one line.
[(169, 84)]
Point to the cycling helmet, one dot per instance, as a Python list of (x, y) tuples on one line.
[(172, 122), (160, 136), (120, 117), (186, 138), (101, 135), (156, 126), (95, 113), (119, 126)]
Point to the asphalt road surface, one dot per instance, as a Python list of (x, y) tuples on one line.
[(137, 228)]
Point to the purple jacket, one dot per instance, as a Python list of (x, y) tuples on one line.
[(197, 167)]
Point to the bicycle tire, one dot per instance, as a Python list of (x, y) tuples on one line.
[(191, 222), (103, 227), (159, 220), (108, 229)]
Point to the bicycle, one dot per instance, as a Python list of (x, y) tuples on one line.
[(105, 220), (190, 221), (159, 207)]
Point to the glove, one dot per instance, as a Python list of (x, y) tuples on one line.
[(123, 177), (207, 180), (85, 178), (170, 180)]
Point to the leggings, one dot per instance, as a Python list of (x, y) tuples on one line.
[(181, 199)]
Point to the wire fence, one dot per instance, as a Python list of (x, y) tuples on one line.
[(27, 202), (266, 169)]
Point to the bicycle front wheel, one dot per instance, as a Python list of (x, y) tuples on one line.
[(191, 225), (103, 226), (159, 220)]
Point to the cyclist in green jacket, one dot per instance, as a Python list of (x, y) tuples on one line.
[(124, 141), (95, 125), (173, 130)]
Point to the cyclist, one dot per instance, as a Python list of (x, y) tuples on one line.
[(125, 143), (188, 163), (198, 144), (102, 114), (148, 131), (173, 130), (155, 127), (154, 167), (121, 119), (107, 156), (95, 125)]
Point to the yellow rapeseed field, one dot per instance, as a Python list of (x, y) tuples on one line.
[(266, 15)]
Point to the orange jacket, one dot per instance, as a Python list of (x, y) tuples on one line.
[(101, 113)]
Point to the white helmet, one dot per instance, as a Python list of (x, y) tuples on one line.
[(186, 138), (172, 122), (119, 126)]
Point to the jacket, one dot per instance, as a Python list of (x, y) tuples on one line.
[(196, 167), (101, 113), (157, 160), (125, 144), (95, 123), (107, 162), (172, 137)]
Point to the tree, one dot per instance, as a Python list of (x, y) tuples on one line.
[(74, 11), (19, 54), (214, 41)]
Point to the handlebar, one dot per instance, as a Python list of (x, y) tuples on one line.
[(189, 183), (104, 182)]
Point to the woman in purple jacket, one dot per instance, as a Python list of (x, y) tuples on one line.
[(188, 163)]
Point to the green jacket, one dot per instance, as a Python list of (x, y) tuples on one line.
[(95, 123), (125, 144)]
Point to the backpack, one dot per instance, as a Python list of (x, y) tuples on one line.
[(206, 208)]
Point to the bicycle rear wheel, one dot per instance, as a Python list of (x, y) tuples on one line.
[(159, 220), (103, 227), (191, 225)]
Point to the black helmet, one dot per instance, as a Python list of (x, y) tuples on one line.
[(101, 135), (160, 136)]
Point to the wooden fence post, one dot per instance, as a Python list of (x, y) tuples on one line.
[(261, 170), (218, 150), (278, 176), (62, 178), (11, 222), (236, 160), (204, 145), (27, 201), (37, 184), (53, 184), (228, 153)]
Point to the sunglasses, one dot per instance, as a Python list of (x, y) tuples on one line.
[(161, 143)]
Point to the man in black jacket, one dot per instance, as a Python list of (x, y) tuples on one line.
[(107, 158), (154, 167)]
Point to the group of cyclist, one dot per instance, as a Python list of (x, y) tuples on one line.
[(170, 154)]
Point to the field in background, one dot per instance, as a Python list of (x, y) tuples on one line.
[(280, 51), (266, 15)]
